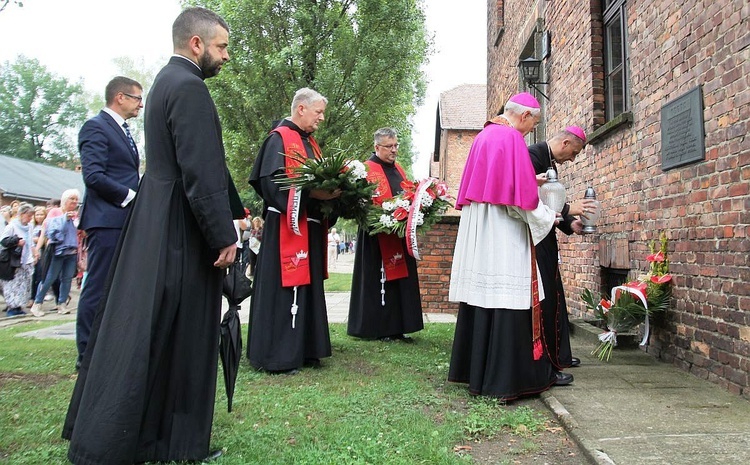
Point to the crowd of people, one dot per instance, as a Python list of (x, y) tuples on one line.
[(157, 248)]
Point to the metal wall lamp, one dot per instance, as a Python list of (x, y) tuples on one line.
[(531, 68)]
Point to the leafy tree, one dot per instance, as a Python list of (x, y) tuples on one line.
[(41, 113), (363, 55)]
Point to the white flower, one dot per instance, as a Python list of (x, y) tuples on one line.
[(419, 218), (426, 200), (357, 169), (387, 221), (389, 206), (403, 203)]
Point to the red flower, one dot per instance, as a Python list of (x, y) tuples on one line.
[(441, 188), (407, 186), (656, 257), (661, 279), (400, 214), (408, 195), (605, 304)]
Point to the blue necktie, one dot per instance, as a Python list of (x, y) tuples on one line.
[(130, 138)]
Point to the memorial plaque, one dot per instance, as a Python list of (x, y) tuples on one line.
[(682, 133)]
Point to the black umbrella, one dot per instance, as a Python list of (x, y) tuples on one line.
[(236, 288)]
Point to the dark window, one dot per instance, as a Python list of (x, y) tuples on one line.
[(615, 58)]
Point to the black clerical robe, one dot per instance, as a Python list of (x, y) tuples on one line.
[(273, 344), (146, 388), (401, 311), (554, 309)]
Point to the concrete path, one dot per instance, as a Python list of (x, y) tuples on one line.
[(634, 410)]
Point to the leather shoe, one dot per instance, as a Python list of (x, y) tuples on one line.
[(405, 339), (563, 379), (312, 363), (575, 362)]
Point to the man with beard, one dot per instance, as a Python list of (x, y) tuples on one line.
[(288, 320), (109, 163), (561, 148), (146, 388), (385, 301)]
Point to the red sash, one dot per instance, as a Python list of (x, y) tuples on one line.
[(391, 247), (293, 236), (536, 307)]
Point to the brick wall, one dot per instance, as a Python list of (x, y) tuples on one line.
[(702, 207), (436, 248), (454, 147)]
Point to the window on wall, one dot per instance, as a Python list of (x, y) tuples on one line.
[(615, 58)]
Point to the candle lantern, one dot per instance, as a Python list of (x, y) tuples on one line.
[(552, 192), (589, 224)]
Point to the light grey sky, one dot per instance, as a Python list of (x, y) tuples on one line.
[(79, 38)]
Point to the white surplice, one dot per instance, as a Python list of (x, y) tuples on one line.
[(492, 259)]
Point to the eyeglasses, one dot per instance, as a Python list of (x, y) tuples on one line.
[(389, 147), (134, 97)]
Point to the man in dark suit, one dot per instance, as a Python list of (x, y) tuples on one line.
[(109, 161), (563, 147), (147, 384)]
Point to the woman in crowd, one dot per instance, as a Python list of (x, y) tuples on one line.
[(18, 233), (256, 232), (40, 214), (61, 232)]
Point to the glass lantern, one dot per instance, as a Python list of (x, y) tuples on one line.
[(589, 224), (552, 192)]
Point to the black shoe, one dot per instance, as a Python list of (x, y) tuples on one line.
[(563, 379), (291, 372), (78, 365), (386, 339), (575, 362), (312, 363), (403, 338)]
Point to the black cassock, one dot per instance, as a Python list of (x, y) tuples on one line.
[(146, 388), (273, 344), (402, 312), (554, 309)]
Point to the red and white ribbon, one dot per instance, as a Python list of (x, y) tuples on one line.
[(639, 294), (292, 209), (411, 222)]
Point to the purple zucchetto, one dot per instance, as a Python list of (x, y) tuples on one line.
[(578, 132), (525, 99)]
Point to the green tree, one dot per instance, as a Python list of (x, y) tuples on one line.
[(365, 56), (41, 113)]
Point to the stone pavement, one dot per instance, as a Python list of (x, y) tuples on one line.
[(632, 410), (635, 410)]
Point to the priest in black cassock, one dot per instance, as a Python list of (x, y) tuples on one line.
[(288, 318), (385, 302), (146, 388), (561, 148)]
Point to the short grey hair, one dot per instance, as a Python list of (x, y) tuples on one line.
[(385, 133), (306, 96), (68, 194), (195, 22), (25, 208), (517, 109)]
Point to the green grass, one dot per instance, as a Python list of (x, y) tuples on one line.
[(372, 402), (338, 282)]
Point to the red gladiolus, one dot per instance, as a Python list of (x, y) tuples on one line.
[(400, 214), (656, 257), (661, 279)]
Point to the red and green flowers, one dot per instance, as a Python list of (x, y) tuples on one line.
[(633, 303)]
